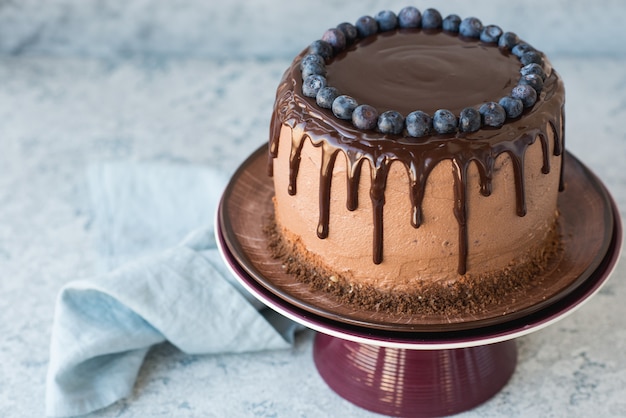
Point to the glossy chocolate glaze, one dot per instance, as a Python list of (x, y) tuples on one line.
[(404, 72), (418, 155)]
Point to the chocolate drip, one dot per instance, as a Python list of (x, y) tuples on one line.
[(377, 195), (418, 156), (329, 156), (561, 148), (418, 174), (294, 162), (278, 120), (354, 173)]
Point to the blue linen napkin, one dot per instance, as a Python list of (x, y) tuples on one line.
[(104, 326)]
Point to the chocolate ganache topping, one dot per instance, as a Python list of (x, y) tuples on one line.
[(406, 70)]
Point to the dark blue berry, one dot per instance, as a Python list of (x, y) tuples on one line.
[(391, 122), (492, 114), (533, 80), (531, 57), (325, 97), (469, 120), (335, 38), (312, 84), (321, 48), (418, 124), (525, 93), (387, 20), (312, 64), (349, 31), (409, 17), (533, 69), (314, 68), (444, 122), (451, 23), (364, 117), (512, 107), (366, 26), (491, 34), (431, 19), (522, 47), (343, 107), (311, 58), (470, 27), (508, 40)]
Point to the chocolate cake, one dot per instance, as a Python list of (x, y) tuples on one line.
[(417, 162)]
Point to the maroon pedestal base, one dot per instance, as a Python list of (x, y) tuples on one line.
[(414, 383)]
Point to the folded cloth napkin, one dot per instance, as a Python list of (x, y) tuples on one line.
[(104, 326)]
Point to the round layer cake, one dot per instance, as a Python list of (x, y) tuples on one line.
[(417, 156)]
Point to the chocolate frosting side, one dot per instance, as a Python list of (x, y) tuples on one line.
[(420, 70)]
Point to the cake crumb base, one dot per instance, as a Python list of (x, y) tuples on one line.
[(468, 295)]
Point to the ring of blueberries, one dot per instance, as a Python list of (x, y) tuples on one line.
[(418, 124)]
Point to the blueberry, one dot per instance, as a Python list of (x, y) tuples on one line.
[(364, 117), (522, 47), (418, 124), (533, 69), (451, 23), (512, 107), (469, 120), (366, 26), (492, 114), (470, 27), (335, 38), (343, 106), (533, 80), (391, 122), (321, 48), (444, 122), (349, 32), (525, 93), (531, 57), (325, 97), (431, 19), (311, 58), (312, 84), (409, 17), (508, 40), (387, 20), (314, 68), (312, 64), (491, 34)]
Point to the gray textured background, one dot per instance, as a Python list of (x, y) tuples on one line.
[(276, 28)]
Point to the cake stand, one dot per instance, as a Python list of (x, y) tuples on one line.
[(422, 366)]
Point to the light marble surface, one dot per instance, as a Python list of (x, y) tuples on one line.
[(82, 82), (276, 28)]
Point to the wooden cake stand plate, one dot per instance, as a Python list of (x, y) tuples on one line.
[(420, 366)]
